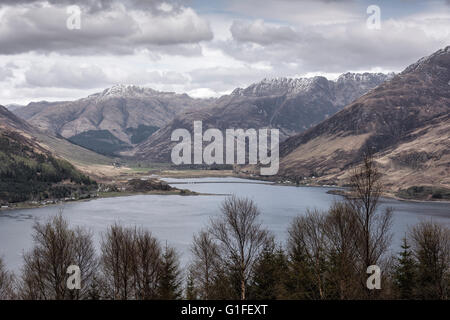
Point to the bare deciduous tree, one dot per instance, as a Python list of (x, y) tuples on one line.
[(131, 263), (84, 257), (431, 248), (205, 255), (6, 283), (118, 253), (147, 265), (56, 247), (372, 232), (340, 231), (323, 251), (306, 234), (240, 236)]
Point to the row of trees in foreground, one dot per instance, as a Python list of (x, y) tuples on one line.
[(326, 257)]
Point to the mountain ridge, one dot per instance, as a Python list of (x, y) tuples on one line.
[(115, 109), (289, 104), (403, 121)]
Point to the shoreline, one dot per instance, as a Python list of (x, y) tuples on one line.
[(392, 197), (105, 195), (341, 191)]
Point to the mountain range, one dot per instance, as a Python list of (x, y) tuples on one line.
[(124, 116), (405, 122), (112, 120), (290, 105), (325, 126)]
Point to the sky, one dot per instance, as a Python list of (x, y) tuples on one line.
[(68, 49)]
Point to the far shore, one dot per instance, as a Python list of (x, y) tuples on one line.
[(192, 174), (102, 195)]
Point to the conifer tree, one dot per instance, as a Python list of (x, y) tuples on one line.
[(170, 278), (191, 292), (269, 275), (405, 272)]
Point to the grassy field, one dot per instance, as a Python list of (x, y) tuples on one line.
[(72, 152)]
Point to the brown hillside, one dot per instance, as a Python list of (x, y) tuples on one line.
[(405, 121)]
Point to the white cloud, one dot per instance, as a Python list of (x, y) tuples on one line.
[(203, 93), (294, 12), (6, 72), (336, 48), (204, 51), (66, 75)]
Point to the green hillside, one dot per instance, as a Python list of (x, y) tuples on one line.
[(101, 141), (141, 133), (70, 151), (29, 173)]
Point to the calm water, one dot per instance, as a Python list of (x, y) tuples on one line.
[(176, 218)]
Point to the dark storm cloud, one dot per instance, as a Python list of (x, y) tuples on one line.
[(114, 31), (91, 5), (95, 5)]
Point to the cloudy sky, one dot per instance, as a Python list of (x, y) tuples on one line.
[(204, 47)]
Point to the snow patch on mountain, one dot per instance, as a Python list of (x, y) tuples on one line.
[(294, 86)]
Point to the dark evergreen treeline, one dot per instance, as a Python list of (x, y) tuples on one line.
[(100, 141), (141, 133), (29, 174)]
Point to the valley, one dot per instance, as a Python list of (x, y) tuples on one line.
[(124, 132), (38, 169), (405, 122), (224, 157)]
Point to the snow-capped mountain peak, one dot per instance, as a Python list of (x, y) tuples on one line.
[(293, 86)]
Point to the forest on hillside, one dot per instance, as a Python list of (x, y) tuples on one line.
[(28, 173)]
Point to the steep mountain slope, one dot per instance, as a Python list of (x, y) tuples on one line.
[(121, 110), (405, 121), (9, 121), (28, 171), (13, 106), (56, 145), (291, 105)]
